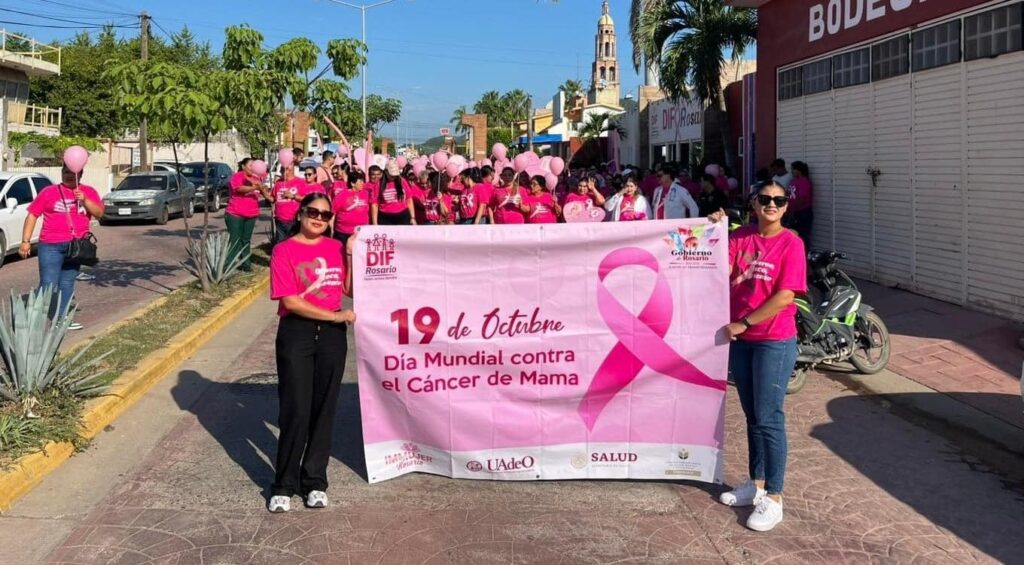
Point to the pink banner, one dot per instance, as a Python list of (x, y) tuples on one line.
[(527, 352)]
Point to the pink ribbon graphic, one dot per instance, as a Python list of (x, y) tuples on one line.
[(641, 338)]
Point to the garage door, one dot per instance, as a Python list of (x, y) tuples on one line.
[(853, 154), (891, 197), (995, 183)]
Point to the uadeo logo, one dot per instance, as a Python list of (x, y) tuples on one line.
[(503, 464), (380, 258)]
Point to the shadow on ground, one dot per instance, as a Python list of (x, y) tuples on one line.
[(122, 274), (242, 417), (991, 524)]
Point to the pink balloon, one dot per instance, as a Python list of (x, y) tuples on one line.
[(286, 158), (534, 170), (418, 167), (258, 168), (545, 164), (402, 161), (557, 165), (521, 162), (733, 183), (551, 181), (485, 163), (360, 155), (533, 158), (712, 170), (460, 160), (343, 150), (499, 151), (452, 169), (439, 159), (75, 158)]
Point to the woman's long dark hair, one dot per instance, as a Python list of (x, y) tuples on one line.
[(309, 199), (395, 181), (434, 180)]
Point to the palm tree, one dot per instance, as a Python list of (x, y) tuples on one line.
[(689, 40), (572, 89), (597, 126), (490, 104), (456, 120), (516, 103)]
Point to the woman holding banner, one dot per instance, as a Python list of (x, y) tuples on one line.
[(767, 271), (308, 275)]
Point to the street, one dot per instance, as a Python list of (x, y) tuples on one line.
[(139, 262), (182, 476)]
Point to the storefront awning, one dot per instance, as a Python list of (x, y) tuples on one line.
[(542, 139)]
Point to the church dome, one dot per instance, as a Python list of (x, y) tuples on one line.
[(606, 18)]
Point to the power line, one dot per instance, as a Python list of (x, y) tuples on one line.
[(80, 8), (42, 17), (161, 28), (80, 26)]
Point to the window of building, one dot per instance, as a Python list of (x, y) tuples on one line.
[(993, 33), (890, 58), (21, 191), (607, 49), (936, 46), (603, 74), (817, 76), (611, 74), (791, 83), (851, 68)]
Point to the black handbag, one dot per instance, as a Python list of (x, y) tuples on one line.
[(81, 250)]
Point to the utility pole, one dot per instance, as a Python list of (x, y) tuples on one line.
[(144, 55), (529, 122)]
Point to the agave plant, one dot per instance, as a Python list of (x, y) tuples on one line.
[(30, 342), (220, 260)]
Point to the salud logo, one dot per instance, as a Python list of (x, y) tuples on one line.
[(380, 258)]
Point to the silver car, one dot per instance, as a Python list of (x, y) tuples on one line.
[(155, 195)]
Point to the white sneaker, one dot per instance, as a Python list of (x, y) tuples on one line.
[(766, 516), (747, 494), (279, 504), (84, 276), (316, 499), (75, 326)]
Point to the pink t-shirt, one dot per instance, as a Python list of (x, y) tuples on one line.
[(54, 204), (802, 190), (389, 201), (287, 195), (577, 197), (243, 205), (470, 200), (542, 208), (759, 268), (628, 211), (506, 212), (315, 272), (428, 210), (484, 192), (337, 188), (351, 209)]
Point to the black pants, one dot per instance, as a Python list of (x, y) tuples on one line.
[(801, 222), (310, 362), (402, 218), (342, 237), (282, 230)]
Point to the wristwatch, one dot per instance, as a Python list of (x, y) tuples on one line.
[(746, 323)]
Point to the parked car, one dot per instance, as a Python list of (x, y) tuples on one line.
[(150, 196), (219, 175), (167, 166), (17, 191)]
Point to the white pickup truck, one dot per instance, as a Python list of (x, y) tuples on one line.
[(17, 190)]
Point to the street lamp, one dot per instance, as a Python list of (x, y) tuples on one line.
[(362, 9)]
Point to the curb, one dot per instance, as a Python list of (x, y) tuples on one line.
[(29, 470)]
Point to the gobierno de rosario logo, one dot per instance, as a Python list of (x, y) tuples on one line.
[(693, 243), (380, 258)]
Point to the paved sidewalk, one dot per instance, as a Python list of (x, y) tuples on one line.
[(864, 486), (970, 356)]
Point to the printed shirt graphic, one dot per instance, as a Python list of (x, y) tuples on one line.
[(54, 204), (801, 189), (505, 210), (429, 210), (389, 202), (628, 211), (287, 195), (314, 272), (351, 209), (542, 208), (759, 267), (577, 197), (469, 202)]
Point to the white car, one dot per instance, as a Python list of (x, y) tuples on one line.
[(17, 191)]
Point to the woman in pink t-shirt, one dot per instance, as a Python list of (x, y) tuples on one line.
[(586, 192), (339, 182), (503, 205), (67, 210), (767, 270), (434, 203), (539, 206), (351, 208), (288, 191), (243, 209), (628, 205), (309, 273), (473, 198), (801, 191), (393, 205)]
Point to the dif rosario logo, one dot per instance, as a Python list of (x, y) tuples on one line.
[(380, 259)]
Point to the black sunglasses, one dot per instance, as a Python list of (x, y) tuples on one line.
[(314, 214), (780, 201)]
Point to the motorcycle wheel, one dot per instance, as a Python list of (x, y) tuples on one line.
[(873, 358), (797, 380)]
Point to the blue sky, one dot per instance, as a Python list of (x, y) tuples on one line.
[(434, 55)]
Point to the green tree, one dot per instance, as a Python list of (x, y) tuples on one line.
[(596, 126), (516, 105), (456, 120), (572, 89), (490, 103), (689, 40)]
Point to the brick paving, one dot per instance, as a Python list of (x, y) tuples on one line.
[(864, 487), (971, 356)]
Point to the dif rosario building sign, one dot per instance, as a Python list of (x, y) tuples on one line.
[(909, 114)]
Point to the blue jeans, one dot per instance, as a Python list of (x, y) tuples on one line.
[(761, 371), (55, 271)]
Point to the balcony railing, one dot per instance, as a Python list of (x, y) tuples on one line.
[(23, 51), (26, 118)]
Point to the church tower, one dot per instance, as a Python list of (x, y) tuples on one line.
[(604, 78)]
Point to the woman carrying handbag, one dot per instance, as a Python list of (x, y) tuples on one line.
[(64, 241)]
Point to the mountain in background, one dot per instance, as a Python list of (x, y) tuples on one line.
[(434, 143)]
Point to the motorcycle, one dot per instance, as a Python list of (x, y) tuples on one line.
[(834, 325)]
